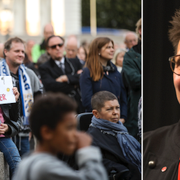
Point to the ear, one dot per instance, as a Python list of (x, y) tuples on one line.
[(5, 52), (46, 133), (95, 113)]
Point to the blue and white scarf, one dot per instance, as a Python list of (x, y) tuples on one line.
[(130, 146), (25, 88)]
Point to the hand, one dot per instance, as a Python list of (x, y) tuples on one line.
[(3, 128), (79, 71), (83, 140), (122, 120), (62, 78), (16, 93)]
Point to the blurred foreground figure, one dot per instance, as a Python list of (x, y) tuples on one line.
[(53, 122), (162, 146)]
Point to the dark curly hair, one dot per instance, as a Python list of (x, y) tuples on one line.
[(49, 110)]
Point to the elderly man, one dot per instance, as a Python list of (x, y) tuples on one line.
[(27, 83), (38, 50), (162, 146), (130, 40), (71, 47), (60, 74)]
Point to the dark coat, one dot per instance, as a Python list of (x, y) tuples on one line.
[(112, 83), (50, 71), (132, 79), (113, 158), (162, 146), (11, 114)]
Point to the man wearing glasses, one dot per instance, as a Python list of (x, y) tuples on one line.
[(162, 147), (60, 74)]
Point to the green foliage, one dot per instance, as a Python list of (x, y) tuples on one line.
[(118, 14)]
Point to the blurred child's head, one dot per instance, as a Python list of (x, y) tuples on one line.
[(53, 122), (105, 106)]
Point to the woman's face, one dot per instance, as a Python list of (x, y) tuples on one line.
[(120, 58), (81, 54), (107, 51)]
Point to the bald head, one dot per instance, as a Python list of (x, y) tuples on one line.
[(48, 31), (71, 47), (1, 50), (130, 40)]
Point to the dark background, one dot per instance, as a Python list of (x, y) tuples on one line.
[(160, 106), (118, 14)]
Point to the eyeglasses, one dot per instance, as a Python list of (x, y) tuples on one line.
[(54, 46), (175, 64)]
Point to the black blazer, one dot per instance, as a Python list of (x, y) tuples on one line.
[(162, 150), (49, 71)]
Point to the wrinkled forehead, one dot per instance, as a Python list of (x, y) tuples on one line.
[(18, 45)]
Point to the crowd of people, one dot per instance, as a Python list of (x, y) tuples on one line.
[(95, 77)]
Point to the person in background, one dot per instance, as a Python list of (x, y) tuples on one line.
[(27, 83), (29, 46), (28, 58), (121, 152), (118, 58), (53, 122), (131, 73), (60, 74), (100, 74), (82, 55), (130, 40), (71, 47), (38, 50), (9, 127), (1, 50)]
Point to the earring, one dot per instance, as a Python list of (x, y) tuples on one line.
[(99, 54)]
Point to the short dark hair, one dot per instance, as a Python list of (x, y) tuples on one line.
[(8, 43), (98, 99), (49, 110), (174, 31), (47, 42)]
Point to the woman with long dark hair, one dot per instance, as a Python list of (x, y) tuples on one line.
[(100, 74)]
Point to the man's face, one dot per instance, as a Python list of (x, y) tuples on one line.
[(110, 111), (71, 50), (177, 78), (64, 136), (131, 41), (55, 52), (15, 56)]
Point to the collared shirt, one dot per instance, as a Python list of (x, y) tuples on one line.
[(61, 64)]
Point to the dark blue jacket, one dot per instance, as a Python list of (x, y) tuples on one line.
[(112, 83), (113, 158)]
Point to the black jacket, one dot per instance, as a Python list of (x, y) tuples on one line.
[(50, 72), (11, 114), (113, 158), (162, 150)]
